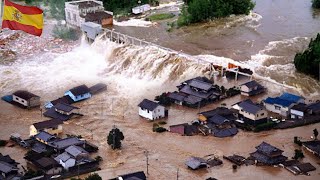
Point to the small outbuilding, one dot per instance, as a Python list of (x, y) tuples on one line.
[(26, 99), (151, 110)]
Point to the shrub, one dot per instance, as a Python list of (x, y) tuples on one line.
[(163, 99), (63, 32), (163, 16), (316, 3), (264, 126), (3, 143)]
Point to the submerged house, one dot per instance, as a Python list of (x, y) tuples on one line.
[(313, 147), (184, 129), (62, 112), (298, 111), (314, 108), (47, 165), (151, 110), (282, 104), (195, 92), (78, 93), (8, 168), (52, 126), (44, 137), (139, 175), (251, 88), (251, 113), (63, 100), (196, 163), (65, 160), (26, 99), (267, 154)]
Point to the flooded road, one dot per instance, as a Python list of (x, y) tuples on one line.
[(133, 73)]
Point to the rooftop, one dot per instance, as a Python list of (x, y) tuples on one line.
[(222, 111), (193, 99), (24, 94), (278, 101), (65, 107), (63, 157), (149, 105), (97, 16), (75, 151), (134, 176), (217, 119), (267, 148), (86, 4), (177, 96), (64, 143), (79, 90), (6, 167), (47, 124), (45, 136), (300, 107), (250, 107), (290, 97), (46, 163), (314, 106), (196, 163), (200, 84), (252, 84), (64, 99)]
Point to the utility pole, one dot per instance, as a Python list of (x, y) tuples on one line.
[(113, 137), (146, 153), (178, 174)]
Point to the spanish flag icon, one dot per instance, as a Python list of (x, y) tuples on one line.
[(26, 18)]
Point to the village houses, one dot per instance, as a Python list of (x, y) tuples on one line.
[(78, 93), (251, 88), (282, 104), (250, 112)]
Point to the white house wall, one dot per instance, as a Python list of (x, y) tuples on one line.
[(20, 100), (145, 113), (158, 112), (296, 113)]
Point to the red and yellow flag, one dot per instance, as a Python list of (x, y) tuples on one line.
[(26, 18)]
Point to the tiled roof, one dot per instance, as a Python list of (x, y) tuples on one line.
[(65, 107), (149, 105), (252, 84), (75, 150), (24, 95), (250, 107), (267, 148), (79, 90), (290, 97), (47, 124), (200, 84)]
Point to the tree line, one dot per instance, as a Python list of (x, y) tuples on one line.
[(204, 10), (308, 62)]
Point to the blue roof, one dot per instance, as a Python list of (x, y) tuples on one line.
[(278, 101), (290, 97), (285, 100)]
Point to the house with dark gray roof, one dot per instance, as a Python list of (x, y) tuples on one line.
[(298, 111), (65, 160), (282, 104), (8, 168), (251, 113), (26, 99), (62, 112), (79, 93), (195, 92), (64, 99), (196, 163), (251, 88), (45, 137), (151, 110), (47, 165), (77, 152), (139, 175), (268, 155), (314, 108), (52, 126), (62, 144), (313, 147)]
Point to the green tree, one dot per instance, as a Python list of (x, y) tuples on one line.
[(315, 133), (298, 154), (114, 138), (93, 176), (316, 3), (308, 61)]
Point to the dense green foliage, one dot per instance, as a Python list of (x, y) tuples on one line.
[(93, 176), (3, 142), (162, 16), (114, 138), (163, 99), (121, 6), (264, 126), (316, 3), (204, 10), (308, 61), (56, 7), (298, 154), (63, 32)]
